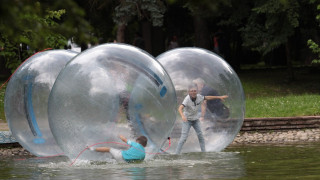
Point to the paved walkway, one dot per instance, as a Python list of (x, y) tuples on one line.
[(6, 137), (5, 134), (3, 126)]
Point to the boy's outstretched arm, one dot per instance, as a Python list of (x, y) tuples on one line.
[(203, 110), (124, 139), (102, 149), (215, 97)]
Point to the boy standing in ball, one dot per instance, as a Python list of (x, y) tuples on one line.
[(135, 153), (188, 111)]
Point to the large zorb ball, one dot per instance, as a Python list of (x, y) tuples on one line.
[(109, 90), (26, 101), (223, 119)]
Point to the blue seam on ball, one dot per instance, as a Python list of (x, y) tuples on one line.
[(163, 91), (31, 116)]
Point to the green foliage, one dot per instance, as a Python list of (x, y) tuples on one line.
[(285, 106), (315, 49), (54, 14), (13, 53), (236, 14), (13, 46), (318, 16), (313, 45), (270, 24), (207, 8), (269, 95), (152, 10), (29, 26)]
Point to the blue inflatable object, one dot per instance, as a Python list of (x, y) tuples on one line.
[(26, 101)]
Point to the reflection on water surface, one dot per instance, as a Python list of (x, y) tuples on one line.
[(288, 161)]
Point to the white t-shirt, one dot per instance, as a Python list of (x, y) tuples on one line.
[(191, 108)]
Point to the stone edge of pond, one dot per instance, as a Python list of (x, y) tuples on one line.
[(281, 132), (243, 138), (277, 137), (13, 149), (280, 123)]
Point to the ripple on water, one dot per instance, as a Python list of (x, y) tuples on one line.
[(189, 165)]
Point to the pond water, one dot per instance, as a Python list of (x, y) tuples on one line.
[(286, 161)]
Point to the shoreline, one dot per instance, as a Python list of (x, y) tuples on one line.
[(243, 138), (277, 137), (254, 131), (14, 151)]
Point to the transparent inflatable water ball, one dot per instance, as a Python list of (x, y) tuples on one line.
[(213, 76), (108, 90), (26, 101)]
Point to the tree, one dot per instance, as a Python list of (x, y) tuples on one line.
[(271, 24), (201, 12), (125, 11), (29, 26), (312, 44), (233, 18)]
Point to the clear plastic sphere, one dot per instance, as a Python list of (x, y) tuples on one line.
[(108, 90), (223, 119), (26, 101)]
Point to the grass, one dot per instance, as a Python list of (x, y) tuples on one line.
[(284, 106), (269, 93)]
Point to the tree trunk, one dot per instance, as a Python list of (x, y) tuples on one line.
[(120, 33), (158, 41), (146, 35), (202, 38)]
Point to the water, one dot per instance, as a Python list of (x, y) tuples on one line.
[(287, 161)]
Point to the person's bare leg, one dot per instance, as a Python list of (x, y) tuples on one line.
[(102, 149)]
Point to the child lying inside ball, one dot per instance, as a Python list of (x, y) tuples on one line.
[(135, 153)]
